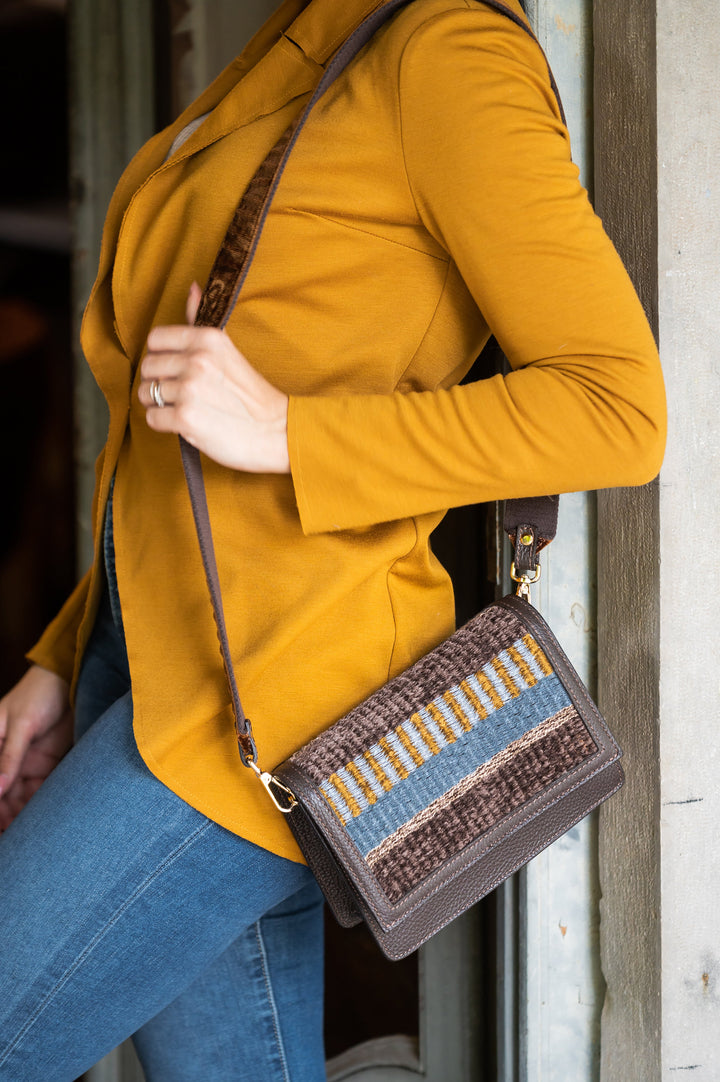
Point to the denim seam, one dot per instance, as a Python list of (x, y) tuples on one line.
[(170, 859), (271, 1001), (110, 560)]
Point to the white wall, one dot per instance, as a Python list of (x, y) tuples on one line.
[(688, 63)]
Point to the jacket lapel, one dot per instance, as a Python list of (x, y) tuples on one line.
[(152, 155), (322, 27), (284, 73), (284, 60), (287, 54)]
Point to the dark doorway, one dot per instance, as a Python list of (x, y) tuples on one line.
[(37, 542)]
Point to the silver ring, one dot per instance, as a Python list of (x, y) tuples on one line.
[(156, 394)]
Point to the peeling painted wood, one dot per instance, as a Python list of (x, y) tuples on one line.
[(112, 114), (658, 150), (206, 35), (560, 986)]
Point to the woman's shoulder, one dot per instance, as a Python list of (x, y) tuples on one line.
[(483, 14), (458, 33)]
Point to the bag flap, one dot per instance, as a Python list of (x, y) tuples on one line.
[(440, 766)]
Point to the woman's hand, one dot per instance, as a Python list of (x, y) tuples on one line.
[(213, 396), (35, 733)]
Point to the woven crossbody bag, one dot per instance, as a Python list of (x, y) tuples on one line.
[(456, 773)]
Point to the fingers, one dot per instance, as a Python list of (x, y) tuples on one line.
[(179, 355), (195, 382), (185, 366), (17, 741), (166, 387), (182, 338), (42, 756), (12, 803), (35, 732), (37, 703), (49, 747)]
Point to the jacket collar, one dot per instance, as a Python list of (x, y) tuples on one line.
[(284, 60), (324, 25)]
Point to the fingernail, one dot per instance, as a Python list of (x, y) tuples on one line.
[(4, 780)]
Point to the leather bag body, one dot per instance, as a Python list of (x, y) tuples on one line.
[(450, 778)]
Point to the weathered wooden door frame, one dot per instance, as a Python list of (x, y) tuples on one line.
[(626, 197)]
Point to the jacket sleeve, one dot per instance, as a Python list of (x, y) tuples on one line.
[(56, 648), (488, 161)]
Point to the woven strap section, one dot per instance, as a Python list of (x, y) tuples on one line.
[(220, 293)]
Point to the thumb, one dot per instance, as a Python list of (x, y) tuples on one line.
[(193, 303)]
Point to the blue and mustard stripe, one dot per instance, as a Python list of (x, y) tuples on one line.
[(453, 718)]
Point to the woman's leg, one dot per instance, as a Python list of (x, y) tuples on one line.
[(253, 1013), (116, 896), (105, 673)]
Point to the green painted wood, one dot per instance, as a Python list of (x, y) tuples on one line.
[(112, 114)]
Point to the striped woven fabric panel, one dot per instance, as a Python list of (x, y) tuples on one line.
[(479, 802), (428, 783)]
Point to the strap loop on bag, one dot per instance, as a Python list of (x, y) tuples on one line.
[(530, 524)]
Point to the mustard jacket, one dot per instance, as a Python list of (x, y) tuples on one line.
[(430, 198)]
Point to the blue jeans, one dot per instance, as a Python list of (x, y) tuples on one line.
[(125, 911)]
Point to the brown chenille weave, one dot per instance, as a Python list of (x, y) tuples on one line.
[(227, 269), (482, 801), (447, 664)]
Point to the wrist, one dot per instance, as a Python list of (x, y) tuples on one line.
[(280, 453), (50, 677)]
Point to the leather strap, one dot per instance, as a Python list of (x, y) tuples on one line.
[(531, 524), (220, 295)]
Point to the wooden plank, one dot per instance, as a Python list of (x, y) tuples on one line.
[(628, 554), (112, 114)]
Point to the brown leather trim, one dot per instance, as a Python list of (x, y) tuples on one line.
[(450, 896)]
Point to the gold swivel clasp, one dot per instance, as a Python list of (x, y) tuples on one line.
[(525, 580), (283, 799)]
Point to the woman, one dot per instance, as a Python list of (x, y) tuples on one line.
[(152, 888)]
